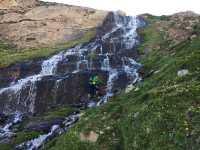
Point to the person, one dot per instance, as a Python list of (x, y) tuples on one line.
[(95, 83)]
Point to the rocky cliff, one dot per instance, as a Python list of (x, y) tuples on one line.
[(28, 24), (82, 76)]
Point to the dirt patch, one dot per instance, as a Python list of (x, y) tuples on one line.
[(91, 136)]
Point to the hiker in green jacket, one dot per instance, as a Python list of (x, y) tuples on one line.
[(95, 82)]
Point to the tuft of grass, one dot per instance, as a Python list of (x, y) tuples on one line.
[(56, 113), (9, 55)]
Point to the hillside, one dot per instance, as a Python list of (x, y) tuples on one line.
[(35, 29), (162, 111), (74, 78)]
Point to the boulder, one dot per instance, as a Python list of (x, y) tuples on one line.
[(43, 126), (129, 88), (182, 73), (3, 118), (91, 136)]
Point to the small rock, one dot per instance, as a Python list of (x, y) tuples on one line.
[(91, 136), (129, 88), (2, 118), (136, 89), (148, 130), (156, 71), (101, 132), (193, 36), (108, 128), (136, 114), (182, 73)]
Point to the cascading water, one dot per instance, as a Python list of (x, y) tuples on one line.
[(6, 130), (108, 53), (55, 130)]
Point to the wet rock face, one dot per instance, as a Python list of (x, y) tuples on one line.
[(18, 71), (43, 126), (49, 92), (64, 79), (3, 118), (72, 89)]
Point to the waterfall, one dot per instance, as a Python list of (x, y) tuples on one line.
[(55, 130), (101, 55), (36, 143), (106, 63), (49, 66)]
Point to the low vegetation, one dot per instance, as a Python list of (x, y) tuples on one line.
[(161, 113), (9, 55)]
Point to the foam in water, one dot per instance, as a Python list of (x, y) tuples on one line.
[(36, 143), (106, 63), (49, 66), (6, 130), (113, 75), (55, 129)]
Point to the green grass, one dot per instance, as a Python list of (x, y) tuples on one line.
[(9, 55), (56, 113), (19, 138), (164, 114)]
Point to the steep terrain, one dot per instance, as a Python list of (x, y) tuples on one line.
[(30, 29), (83, 76), (162, 111), (44, 98)]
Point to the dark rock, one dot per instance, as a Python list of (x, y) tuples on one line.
[(70, 83), (121, 82), (18, 71), (3, 118), (72, 90), (43, 126)]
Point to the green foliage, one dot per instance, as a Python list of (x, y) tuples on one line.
[(9, 56), (58, 112), (96, 81), (151, 36), (19, 138), (196, 29), (163, 114)]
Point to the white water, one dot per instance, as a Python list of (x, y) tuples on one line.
[(55, 130), (6, 130), (36, 143), (113, 75), (106, 63), (129, 39), (48, 68)]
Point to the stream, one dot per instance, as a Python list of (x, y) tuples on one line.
[(114, 53)]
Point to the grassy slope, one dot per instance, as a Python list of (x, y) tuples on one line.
[(163, 114), (9, 55)]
